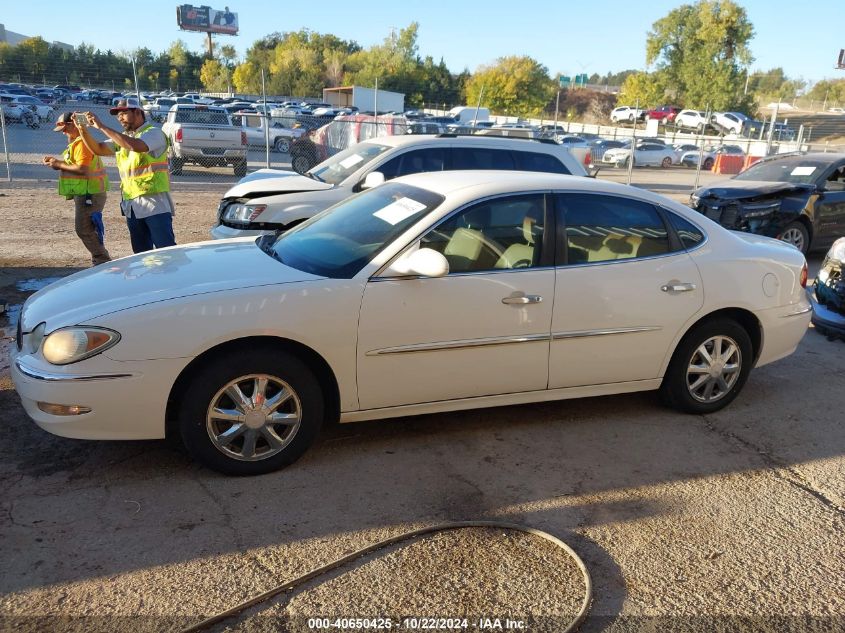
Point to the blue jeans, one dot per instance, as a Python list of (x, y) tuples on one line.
[(155, 231)]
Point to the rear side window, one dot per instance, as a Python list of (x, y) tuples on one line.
[(532, 161), (689, 234), (608, 228), (481, 158)]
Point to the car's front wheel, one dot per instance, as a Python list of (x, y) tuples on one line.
[(709, 367), (796, 234), (251, 412)]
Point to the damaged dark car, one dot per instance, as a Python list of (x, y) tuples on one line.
[(798, 198)]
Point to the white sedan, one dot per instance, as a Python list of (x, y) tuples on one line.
[(645, 154), (432, 292)]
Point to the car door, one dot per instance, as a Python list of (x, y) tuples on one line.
[(481, 330), (830, 208), (624, 290)]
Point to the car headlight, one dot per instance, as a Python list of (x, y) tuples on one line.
[(761, 209), (837, 251), (73, 344), (238, 213)]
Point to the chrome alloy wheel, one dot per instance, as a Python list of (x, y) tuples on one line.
[(713, 369), (253, 417), (794, 236)]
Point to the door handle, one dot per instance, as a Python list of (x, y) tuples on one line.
[(522, 299), (677, 287)]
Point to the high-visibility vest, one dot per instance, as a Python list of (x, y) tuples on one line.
[(78, 185), (141, 173)]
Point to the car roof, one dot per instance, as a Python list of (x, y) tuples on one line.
[(477, 183)]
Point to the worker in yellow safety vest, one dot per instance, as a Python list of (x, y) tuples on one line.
[(83, 179), (141, 153)]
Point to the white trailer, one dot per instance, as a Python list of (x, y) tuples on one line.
[(365, 99)]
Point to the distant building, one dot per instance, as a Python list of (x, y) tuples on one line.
[(14, 39)]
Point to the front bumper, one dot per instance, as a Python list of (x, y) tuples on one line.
[(128, 400)]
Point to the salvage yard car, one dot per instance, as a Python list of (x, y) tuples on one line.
[(204, 135), (798, 198), (432, 292), (270, 200)]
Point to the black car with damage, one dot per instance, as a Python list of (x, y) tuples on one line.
[(798, 198)]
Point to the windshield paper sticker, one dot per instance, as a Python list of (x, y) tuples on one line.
[(351, 161), (803, 171), (397, 211)]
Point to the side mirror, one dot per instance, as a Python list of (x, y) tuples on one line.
[(373, 179), (423, 262)]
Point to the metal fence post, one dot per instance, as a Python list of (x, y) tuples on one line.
[(5, 146)]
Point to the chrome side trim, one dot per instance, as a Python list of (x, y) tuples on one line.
[(809, 308), (557, 336), (46, 376), (464, 344)]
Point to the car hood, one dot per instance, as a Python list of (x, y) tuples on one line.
[(159, 275), (272, 181), (738, 189)]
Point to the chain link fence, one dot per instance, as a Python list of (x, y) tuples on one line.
[(289, 138)]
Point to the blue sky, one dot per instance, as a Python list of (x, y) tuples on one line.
[(569, 38)]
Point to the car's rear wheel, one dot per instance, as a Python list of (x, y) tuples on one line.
[(666, 162), (709, 367), (251, 412), (282, 145), (631, 118), (708, 164), (796, 234), (240, 169)]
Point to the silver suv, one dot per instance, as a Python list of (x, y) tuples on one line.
[(270, 199)]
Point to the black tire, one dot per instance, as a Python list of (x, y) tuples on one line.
[(240, 169), (300, 164), (282, 145), (795, 233), (708, 163), (666, 162), (176, 165), (242, 368), (676, 389)]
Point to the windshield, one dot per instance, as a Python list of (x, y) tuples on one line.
[(339, 167), (341, 240), (795, 170)]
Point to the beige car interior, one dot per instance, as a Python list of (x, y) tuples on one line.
[(479, 242)]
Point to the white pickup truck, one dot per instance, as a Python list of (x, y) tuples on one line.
[(280, 135), (204, 135)]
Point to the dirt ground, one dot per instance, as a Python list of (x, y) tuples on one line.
[(727, 522)]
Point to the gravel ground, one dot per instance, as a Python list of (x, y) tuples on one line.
[(728, 522)]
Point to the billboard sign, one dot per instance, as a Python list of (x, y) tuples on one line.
[(206, 19)]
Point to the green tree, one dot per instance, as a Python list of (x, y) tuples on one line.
[(647, 89), (34, 58), (214, 76), (247, 78), (701, 51), (514, 85), (832, 90)]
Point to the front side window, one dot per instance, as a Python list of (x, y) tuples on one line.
[(602, 228), (340, 241), (500, 234), (414, 162)]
